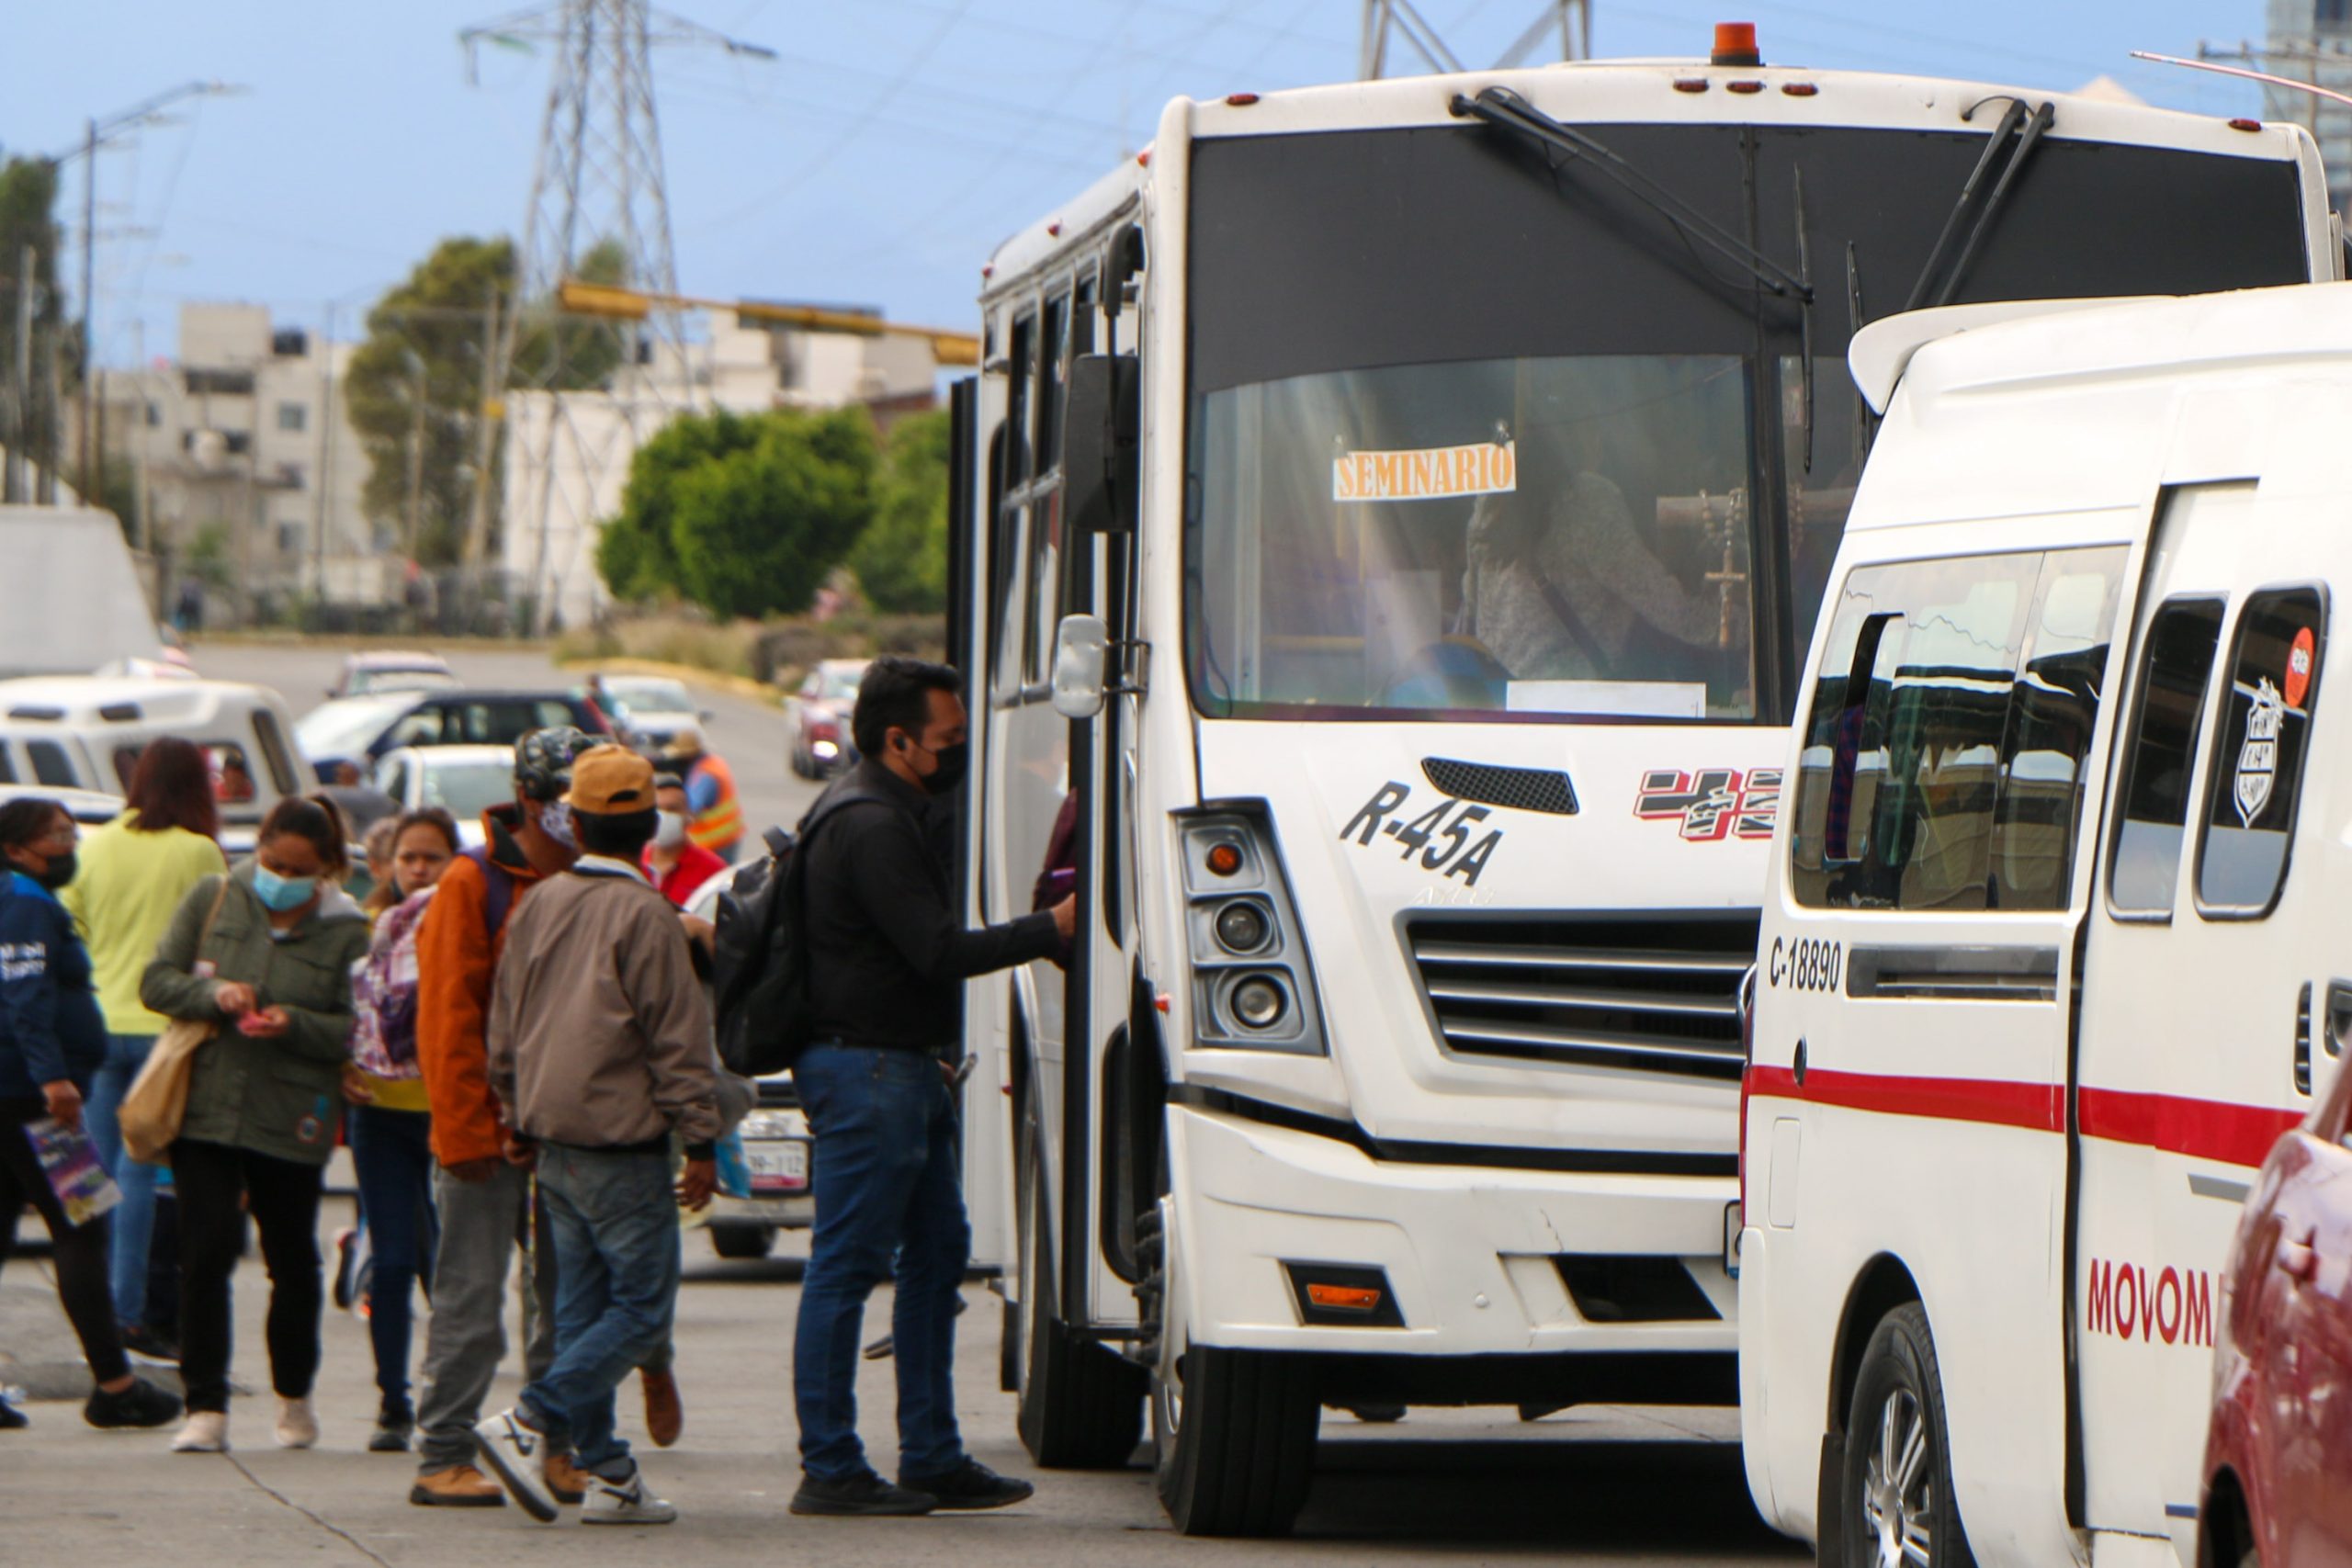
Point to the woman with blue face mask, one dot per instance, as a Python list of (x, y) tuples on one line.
[(265, 956)]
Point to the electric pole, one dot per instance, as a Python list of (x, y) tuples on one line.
[(97, 133), (597, 184), (1571, 20)]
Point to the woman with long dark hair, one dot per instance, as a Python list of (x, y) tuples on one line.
[(51, 1041), (391, 1119), (135, 873), (264, 955)]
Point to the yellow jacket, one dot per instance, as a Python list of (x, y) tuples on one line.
[(123, 896)]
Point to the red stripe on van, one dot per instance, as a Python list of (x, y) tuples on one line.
[(2203, 1128), (2037, 1107)]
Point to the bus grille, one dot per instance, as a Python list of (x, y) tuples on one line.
[(1646, 992)]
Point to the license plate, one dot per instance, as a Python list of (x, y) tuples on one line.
[(778, 1166)]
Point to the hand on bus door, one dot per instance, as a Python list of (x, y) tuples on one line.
[(1066, 917)]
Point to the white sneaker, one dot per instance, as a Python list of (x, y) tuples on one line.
[(514, 1453), (206, 1432), (629, 1501), (298, 1424)]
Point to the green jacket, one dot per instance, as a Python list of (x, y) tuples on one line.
[(280, 1097)]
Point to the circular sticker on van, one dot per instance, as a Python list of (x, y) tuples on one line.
[(2301, 655)]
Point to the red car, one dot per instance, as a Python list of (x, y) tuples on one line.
[(2278, 1455)]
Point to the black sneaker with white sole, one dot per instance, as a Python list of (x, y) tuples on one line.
[(971, 1485), (515, 1451), (861, 1495), (141, 1404)]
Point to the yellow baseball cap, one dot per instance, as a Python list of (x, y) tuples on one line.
[(610, 781)]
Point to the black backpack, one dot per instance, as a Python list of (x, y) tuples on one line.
[(759, 961)]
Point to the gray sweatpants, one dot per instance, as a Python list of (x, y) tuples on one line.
[(465, 1338)]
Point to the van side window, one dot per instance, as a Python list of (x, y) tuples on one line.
[(274, 751), (51, 765), (7, 767), (1941, 767), (2257, 772), (2151, 819)]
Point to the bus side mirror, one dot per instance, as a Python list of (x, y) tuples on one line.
[(1102, 425), (1082, 649)]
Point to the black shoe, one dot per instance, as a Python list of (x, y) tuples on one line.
[(864, 1494), (12, 1419), (971, 1485), (882, 1350), (391, 1434), (141, 1404), (150, 1344)]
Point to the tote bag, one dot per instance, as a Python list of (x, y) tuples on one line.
[(152, 1113)]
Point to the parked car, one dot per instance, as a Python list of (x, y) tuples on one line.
[(779, 1154), (364, 673), (464, 781), (816, 717), (363, 730), (649, 710), (2274, 1484), (87, 731)]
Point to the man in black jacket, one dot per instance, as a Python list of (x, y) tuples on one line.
[(887, 956)]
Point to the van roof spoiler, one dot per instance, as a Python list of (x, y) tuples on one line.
[(1881, 351)]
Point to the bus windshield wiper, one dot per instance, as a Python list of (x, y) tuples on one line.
[(1506, 110), (2029, 139)]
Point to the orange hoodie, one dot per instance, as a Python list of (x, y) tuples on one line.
[(456, 957)]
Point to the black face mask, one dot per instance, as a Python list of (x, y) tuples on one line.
[(953, 761), (59, 872)]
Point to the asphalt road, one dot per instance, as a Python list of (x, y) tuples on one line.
[(747, 734), (1451, 1488)]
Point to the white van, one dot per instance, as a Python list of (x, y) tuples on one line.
[(2052, 949), (87, 731)]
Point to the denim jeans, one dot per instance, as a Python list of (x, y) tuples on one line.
[(614, 1220), (887, 1182), (134, 1217), (392, 1153)]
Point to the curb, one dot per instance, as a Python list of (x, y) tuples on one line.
[(692, 675)]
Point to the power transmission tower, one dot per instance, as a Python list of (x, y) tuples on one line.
[(1569, 20), (592, 388)]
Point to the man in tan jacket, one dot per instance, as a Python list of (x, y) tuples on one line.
[(600, 1047)]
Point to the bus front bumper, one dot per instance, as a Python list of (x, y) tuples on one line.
[(1478, 1261)]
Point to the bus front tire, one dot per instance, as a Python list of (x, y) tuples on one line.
[(1234, 1439), (1896, 1498)]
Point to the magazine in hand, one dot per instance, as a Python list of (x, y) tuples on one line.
[(70, 1161)]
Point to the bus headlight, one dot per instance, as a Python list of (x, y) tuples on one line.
[(1252, 985), (1259, 1002)]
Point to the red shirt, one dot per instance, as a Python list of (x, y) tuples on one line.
[(695, 866)]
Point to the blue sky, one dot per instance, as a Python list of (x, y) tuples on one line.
[(876, 161)]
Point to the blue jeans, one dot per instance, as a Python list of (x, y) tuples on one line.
[(392, 1153), (887, 1182), (614, 1220), (134, 1217)]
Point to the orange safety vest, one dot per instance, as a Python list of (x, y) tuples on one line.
[(721, 823)]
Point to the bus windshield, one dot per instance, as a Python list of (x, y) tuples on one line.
[(1472, 436), (1564, 535)]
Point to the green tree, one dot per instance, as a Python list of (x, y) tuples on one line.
[(414, 392), (424, 354), (744, 515), (901, 560), (27, 197)]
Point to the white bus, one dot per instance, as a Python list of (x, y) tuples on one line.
[(1392, 517), (2052, 952)]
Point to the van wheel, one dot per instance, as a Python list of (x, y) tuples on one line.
[(1232, 1431), (1081, 1405), (742, 1241), (1897, 1495)]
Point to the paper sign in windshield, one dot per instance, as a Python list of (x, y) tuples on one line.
[(1428, 474)]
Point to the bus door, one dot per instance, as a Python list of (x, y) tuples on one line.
[(2199, 1011)]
